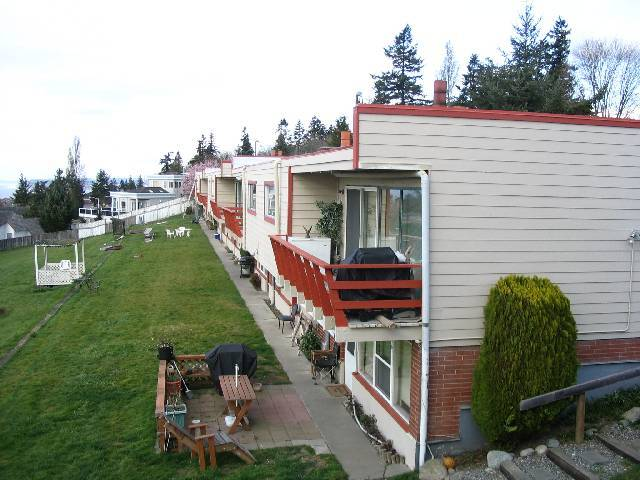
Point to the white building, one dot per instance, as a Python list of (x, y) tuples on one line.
[(14, 225), (127, 201), (171, 182)]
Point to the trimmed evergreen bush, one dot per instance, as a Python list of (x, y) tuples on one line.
[(529, 348)]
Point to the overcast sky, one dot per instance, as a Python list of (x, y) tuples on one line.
[(137, 79)]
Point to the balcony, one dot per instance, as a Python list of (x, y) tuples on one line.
[(316, 281), (93, 212), (233, 219)]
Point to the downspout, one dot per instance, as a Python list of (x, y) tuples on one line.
[(277, 164), (243, 186), (424, 371)]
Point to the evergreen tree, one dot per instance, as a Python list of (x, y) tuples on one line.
[(166, 162), (176, 165), (23, 193), (139, 182), (561, 86), (299, 136), (36, 200), (471, 82), (55, 214), (131, 183), (400, 84), (122, 186), (283, 142), (316, 130), (100, 187), (245, 147)]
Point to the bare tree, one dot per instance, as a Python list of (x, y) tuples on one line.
[(449, 70), (611, 71)]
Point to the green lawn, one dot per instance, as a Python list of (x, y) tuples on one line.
[(78, 401), (24, 304)]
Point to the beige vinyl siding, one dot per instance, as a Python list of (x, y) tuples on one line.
[(257, 229), (226, 194), (341, 159), (530, 198), (307, 190)]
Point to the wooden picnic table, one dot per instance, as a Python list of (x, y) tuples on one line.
[(239, 398)]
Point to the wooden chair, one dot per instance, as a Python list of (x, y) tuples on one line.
[(194, 437)]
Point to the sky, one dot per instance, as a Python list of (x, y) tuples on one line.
[(137, 79)]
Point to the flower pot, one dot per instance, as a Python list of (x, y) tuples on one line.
[(172, 387), (176, 413), (165, 352)]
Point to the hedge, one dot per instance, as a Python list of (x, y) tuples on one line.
[(529, 348)]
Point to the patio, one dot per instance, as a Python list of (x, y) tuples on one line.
[(278, 418)]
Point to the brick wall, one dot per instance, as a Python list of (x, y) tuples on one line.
[(451, 372)]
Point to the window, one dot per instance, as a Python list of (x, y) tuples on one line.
[(170, 184), (269, 201), (251, 202), (387, 366), (123, 205)]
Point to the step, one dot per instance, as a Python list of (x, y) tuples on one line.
[(620, 447), (512, 471), (557, 456)]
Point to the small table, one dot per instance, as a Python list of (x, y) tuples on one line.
[(233, 394)]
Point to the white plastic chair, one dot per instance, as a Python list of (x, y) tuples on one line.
[(188, 230), (170, 233), (180, 232), (65, 264)]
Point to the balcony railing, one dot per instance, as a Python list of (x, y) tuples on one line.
[(315, 279), (215, 209), (202, 199), (105, 212), (233, 219)]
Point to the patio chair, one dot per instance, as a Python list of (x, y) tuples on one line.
[(194, 437), (180, 232), (170, 233), (325, 362), (282, 319)]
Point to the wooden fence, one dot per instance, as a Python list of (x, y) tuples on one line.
[(52, 237)]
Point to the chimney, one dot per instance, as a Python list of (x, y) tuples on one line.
[(440, 92), (345, 138)]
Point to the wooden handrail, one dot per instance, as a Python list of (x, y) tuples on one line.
[(580, 390)]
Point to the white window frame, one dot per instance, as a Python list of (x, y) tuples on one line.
[(252, 194), (392, 399), (269, 198)]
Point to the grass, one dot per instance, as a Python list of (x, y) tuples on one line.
[(633, 473), (24, 304), (78, 400)]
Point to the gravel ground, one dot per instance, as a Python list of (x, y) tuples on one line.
[(543, 464)]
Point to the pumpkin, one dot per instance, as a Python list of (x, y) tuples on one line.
[(449, 462)]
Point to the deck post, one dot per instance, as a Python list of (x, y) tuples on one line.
[(580, 411)]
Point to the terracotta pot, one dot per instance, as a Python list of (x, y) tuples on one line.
[(172, 388)]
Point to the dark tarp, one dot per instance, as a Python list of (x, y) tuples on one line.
[(382, 255), (222, 360)]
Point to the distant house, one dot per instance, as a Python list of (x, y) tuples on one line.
[(171, 182), (127, 201), (14, 225)]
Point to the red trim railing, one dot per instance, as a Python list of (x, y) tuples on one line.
[(233, 219), (316, 280), (202, 199), (215, 209)]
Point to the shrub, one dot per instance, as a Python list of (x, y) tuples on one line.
[(188, 210), (529, 348), (309, 341)]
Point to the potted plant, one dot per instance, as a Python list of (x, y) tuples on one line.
[(165, 350), (172, 381), (175, 410), (330, 223)]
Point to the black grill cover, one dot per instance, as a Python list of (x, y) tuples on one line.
[(222, 360), (382, 255)]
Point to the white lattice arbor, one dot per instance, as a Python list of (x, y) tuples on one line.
[(63, 272)]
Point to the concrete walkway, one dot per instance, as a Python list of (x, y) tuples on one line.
[(343, 437)]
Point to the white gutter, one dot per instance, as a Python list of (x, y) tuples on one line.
[(243, 183), (424, 373)]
